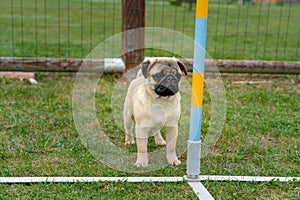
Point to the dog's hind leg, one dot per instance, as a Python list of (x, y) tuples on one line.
[(159, 140), (128, 120), (129, 139)]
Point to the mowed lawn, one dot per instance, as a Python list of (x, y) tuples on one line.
[(38, 138)]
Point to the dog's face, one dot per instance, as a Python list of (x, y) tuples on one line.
[(164, 75)]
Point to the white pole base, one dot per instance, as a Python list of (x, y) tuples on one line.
[(193, 159)]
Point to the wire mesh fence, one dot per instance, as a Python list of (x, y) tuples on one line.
[(249, 30)]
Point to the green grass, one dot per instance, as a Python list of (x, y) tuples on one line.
[(38, 138), (72, 28), (99, 190)]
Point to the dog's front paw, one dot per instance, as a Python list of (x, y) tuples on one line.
[(142, 160), (129, 139), (174, 162), (141, 164)]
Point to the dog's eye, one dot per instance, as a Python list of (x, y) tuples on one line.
[(157, 76), (178, 75)]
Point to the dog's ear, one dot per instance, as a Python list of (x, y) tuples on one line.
[(145, 68), (182, 67)]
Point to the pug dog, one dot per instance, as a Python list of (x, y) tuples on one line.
[(153, 102)]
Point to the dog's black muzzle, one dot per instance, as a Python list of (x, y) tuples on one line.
[(167, 86)]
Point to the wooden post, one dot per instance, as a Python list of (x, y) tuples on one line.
[(133, 17)]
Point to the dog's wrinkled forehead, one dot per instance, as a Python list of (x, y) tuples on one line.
[(167, 65)]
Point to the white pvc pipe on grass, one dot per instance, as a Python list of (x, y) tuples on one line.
[(12, 180)]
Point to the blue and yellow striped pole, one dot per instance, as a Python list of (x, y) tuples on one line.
[(194, 142)]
